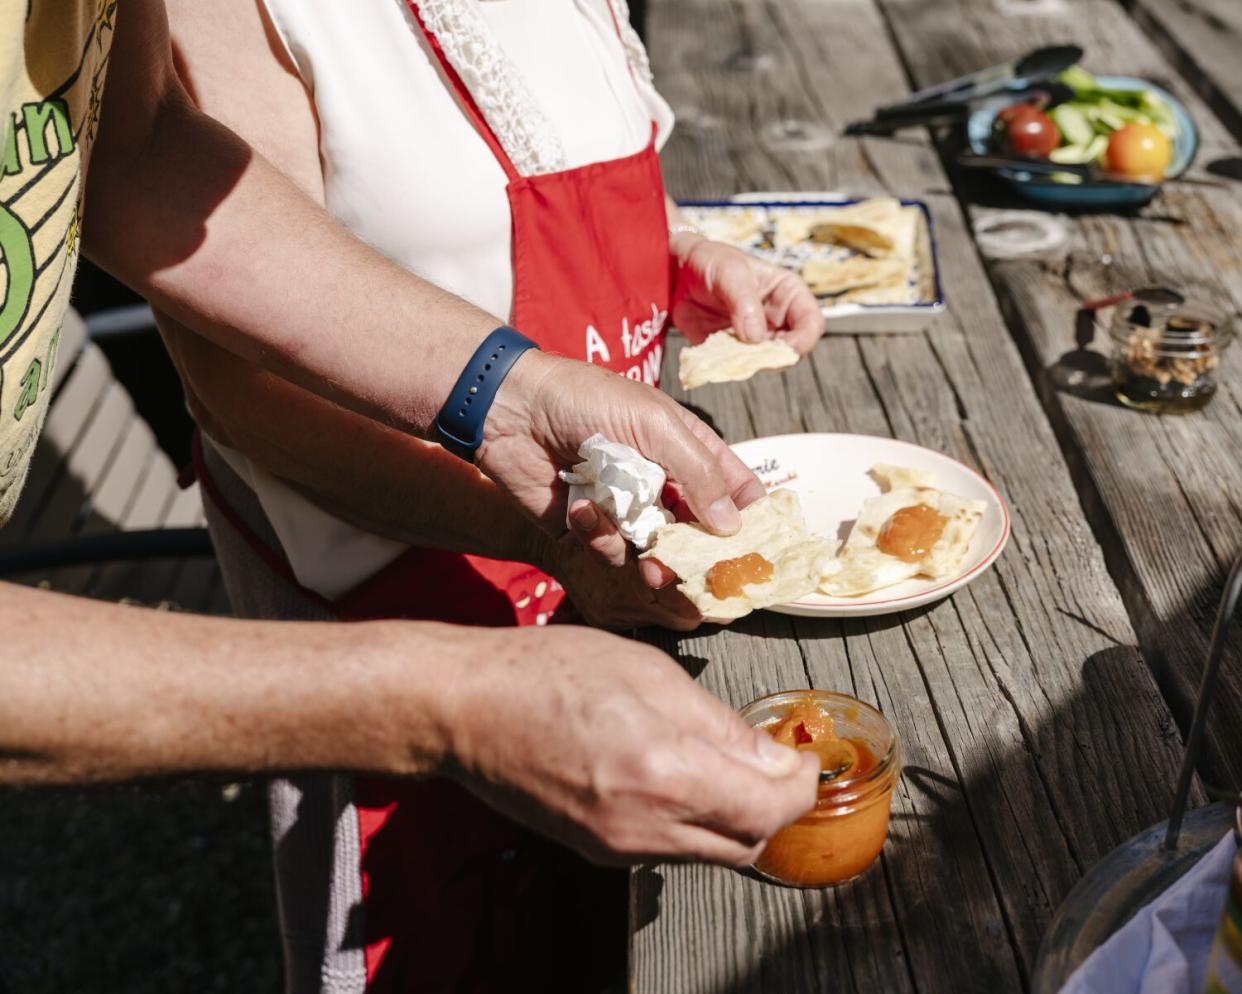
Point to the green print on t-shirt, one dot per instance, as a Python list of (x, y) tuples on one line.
[(53, 82), (17, 257)]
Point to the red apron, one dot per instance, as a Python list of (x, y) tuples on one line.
[(456, 895)]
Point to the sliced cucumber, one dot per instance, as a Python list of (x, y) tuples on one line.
[(1073, 124), (1103, 118), (1077, 154), (1077, 78)]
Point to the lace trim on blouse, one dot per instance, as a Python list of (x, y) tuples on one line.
[(502, 97), (517, 121), (635, 52)]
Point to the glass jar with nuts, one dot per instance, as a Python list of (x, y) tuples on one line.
[(1167, 354)]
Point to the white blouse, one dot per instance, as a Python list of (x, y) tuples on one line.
[(406, 171)]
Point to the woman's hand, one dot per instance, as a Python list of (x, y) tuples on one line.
[(719, 286), (548, 405), (617, 594)]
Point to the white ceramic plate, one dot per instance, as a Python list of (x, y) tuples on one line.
[(829, 475)]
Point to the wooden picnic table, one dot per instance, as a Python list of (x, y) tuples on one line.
[(1039, 708)]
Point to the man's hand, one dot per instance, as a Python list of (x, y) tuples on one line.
[(719, 286), (548, 405), (607, 596), (609, 747)]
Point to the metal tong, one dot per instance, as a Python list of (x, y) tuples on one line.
[(1089, 172), (951, 101)]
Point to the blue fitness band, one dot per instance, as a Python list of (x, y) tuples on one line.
[(459, 425)]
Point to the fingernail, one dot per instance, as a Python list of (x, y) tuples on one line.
[(780, 760), (585, 516), (724, 516), (756, 327)]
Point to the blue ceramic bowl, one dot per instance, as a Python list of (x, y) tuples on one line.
[(1048, 191)]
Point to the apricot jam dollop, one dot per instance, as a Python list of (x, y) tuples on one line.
[(729, 576), (843, 834), (910, 532), (809, 729)]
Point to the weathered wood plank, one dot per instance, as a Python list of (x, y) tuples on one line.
[(107, 506), (1017, 696), (197, 586), (97, 468), (1202, 39), (1158, 490), (85, 465), (149, 581)]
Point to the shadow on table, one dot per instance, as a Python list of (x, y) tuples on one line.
[(922, 903), (1229, 167), (1085, 374)]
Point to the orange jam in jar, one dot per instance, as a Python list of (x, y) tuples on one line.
[(910, 532), (729, 576), (859, 754)]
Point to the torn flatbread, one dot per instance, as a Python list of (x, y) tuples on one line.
[(827, 277), (891, 477), (894, 290), (865, 563), (734, 226), (880, 227), (725, 359), (792, 225), (772, 527)]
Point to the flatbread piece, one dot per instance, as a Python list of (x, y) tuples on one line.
[(879, 227), (827, 277), (724, 359), (772, 527)]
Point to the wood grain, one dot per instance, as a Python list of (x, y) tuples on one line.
[(1014, 699), (98, 468), (1161, 497), (1202, 39)]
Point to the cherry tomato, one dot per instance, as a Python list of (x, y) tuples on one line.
[(1139, 150), (1029, 131), (1006, 114)]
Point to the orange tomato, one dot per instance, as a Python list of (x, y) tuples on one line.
[(1141, 151)]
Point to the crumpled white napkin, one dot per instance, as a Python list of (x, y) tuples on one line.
[(1164, 948), (624, 484)]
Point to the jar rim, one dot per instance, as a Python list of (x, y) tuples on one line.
[(1214, 325), (1177, 343), (884, 763)]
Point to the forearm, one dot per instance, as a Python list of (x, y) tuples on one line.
[(373, 476), (93, 692), (186, 213)]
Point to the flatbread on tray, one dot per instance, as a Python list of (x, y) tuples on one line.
[(772, 527), (724, 359), (735, 226), (793, 227), (894, 290), (827, 277), (880, 227)]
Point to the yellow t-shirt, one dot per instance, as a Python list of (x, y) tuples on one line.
[(53, 57)]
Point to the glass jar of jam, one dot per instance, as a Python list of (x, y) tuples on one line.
[(1225, 960), (860, 761), (1166, 354)]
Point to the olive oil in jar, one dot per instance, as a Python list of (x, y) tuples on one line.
[(1166, 357)]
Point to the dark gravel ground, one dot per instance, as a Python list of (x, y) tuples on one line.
[(137, 890)]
